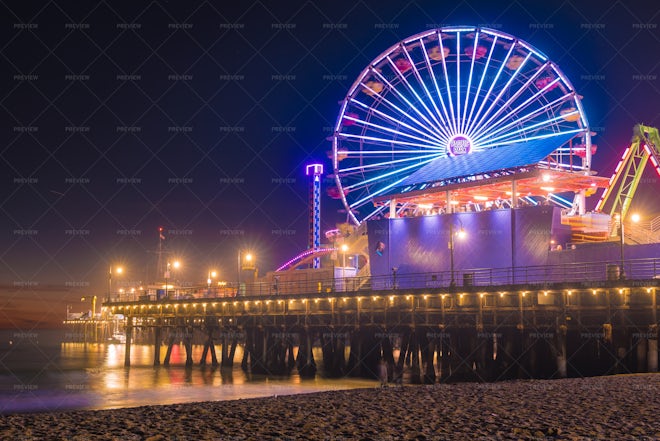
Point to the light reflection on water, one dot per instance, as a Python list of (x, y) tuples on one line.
[(93, 376)]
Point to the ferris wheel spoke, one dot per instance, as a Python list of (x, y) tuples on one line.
[(481, 81), (405, 81), (502, 91), (526, 118), (397, 171), (510, 137), (435, 83), (490, 89), (388, 118), (402, 97), (449, 98), (459, 122), (511, 115), (469, 84), (389, 141), (348, 170), (508, 103), (378, 127), (402, 112), (350, 153), (442, 123), (541, 136)]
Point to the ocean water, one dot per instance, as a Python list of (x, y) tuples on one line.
[(39, 372)]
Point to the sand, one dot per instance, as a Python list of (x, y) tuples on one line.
[(623, 407)]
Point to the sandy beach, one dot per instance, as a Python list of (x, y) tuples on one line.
[(622, 407)]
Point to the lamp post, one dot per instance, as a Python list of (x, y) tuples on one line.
[(344, 249), (460, 234), (212, 274), (118, 270), (248, 258), (635, 218), (176, 264), (622, 272)]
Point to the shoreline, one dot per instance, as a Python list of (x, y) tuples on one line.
[(612, 407)]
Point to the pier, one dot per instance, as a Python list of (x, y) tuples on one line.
[(527, 322)]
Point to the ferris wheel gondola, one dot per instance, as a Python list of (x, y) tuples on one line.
[(448, 92)]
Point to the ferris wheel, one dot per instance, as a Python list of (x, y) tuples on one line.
[(447, 92)]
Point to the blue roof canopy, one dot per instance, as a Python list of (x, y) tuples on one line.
[(483, 161)]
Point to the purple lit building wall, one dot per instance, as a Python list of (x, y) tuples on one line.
[(502, 238)]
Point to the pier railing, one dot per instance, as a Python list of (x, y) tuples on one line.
[(605, 271)]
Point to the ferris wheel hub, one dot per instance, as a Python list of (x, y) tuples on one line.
[(459, 145)]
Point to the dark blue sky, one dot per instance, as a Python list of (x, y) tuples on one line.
[(121, 117)]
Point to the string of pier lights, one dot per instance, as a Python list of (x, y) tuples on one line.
[(188, 307)]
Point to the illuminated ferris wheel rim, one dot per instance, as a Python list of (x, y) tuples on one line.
[(441, 124)]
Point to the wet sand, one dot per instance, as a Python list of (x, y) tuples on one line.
[(625, 407)]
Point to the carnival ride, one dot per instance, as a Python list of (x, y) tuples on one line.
[(644, 146), (611, 211)]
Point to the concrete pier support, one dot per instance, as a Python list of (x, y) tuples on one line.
[(652, 353), (365, 353), (209, 346), (279, 352), (305, 362), (444, 354), (428, 344), (229, 343), (387, 354), (415, 365), (333, 346), (484, 350), (508, 353), (462, 362), (354, 367), (253, 355), (403, 351), (641, 352), (187, 341), (168, 353), (621, 341), (560, 343), (129, 336), (157, 341)]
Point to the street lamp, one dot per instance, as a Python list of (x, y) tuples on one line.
[(118, 270), (461, 234), (635, 218), (175, 265), (619, 220), (245, 261), (344, 249), (209, 279)]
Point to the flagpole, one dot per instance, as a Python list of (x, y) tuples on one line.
[(159, 269)]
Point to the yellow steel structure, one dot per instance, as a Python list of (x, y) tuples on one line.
[(645, 145)]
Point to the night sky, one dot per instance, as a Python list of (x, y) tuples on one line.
[(122, 117)]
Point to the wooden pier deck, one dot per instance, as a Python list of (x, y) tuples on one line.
[(488, 331)]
